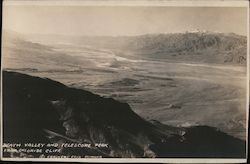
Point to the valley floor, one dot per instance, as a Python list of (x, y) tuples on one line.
[(179, 94)]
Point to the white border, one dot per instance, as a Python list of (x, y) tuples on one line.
[(183, 3), (170, 3), (248, 74), (1, 94)]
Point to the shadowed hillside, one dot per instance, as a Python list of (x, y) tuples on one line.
[(42, 110)]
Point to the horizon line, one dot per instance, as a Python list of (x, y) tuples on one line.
[(126, 35)]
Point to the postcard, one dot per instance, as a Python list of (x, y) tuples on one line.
[(125, 81)]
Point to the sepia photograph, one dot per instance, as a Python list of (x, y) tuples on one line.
[(135, 81)]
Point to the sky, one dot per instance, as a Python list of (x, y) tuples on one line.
[(122, 20)]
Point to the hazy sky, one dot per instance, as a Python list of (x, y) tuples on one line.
[(83, 20)]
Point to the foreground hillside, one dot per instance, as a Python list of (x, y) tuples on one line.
[(40, 110)]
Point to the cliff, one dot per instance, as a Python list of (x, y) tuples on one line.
[(38, 110)]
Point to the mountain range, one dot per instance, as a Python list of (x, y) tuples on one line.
[(201, 46)]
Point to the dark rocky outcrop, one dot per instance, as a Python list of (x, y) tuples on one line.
[(46, 111)]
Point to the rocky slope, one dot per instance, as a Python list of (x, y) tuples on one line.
[(41, 110)]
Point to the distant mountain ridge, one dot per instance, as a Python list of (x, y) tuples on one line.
[(196, 46), (20, 53), (223, 48)]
